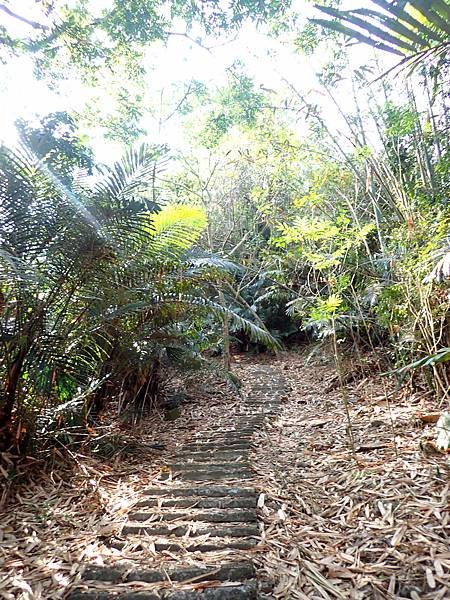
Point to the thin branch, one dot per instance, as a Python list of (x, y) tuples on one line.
[(198, 41), (179, 104), (14, 15)]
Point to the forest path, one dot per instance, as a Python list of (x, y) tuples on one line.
[(200, 517)]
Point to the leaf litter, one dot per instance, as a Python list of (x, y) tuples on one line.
[(65, 510), (373, 523), (362, 524)]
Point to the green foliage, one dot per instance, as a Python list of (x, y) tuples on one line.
[(443, 355), (414, 29), (322, 242), (57, 142), (81, 35), (97, 284), (326, 308), (237, 105), (400, 120)]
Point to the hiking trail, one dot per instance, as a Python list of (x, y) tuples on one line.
[(200, 516)]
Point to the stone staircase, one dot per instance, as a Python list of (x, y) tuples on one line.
[(200, 520)]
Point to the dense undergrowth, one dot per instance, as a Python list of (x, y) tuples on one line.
[(272, 226)]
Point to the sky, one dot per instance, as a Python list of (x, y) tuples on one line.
[(21, 95)]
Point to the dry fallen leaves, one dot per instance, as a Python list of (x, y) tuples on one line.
[(341, 525), (65, 515), (334, 524)]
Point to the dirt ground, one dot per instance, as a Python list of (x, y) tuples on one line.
[(352, 506)]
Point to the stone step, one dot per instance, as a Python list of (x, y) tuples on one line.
[(225, 443), (216, 474), (125, 573), (270, 391), (202, 446), (157, 529), (222, 444), (270, 386), (247, 419), (211, 516), (231, 427), (260, 405), (207, 466), (269, 409), (246, 591), (218, 435), (211, 545), (199, 503), (225, 455), (264, 397), (210, 491), (243, 420), (242, 428)]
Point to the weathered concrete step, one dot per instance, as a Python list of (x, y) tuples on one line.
[(210, 491), (216, 475), (242, 426), (218, 435), (182, 530), (226, 455), (267, 394), (205, 466), (264, 404), (272, 388), (212, 516), (275, 384), (125, 573), (229, 432), (211, 545), (201, 446), (224, 441), (199, 503), (261, 398), (247, 420), (243, 418), (222, 444), (246, 591)]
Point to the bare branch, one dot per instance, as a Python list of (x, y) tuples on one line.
[(14, 15)]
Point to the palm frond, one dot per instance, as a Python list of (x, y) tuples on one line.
[(132, 178), (199, 259), (256, 333), (353, 18), (441, 270), (176, 227), (417, 31)]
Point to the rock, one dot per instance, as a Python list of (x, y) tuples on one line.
[(172, 414)]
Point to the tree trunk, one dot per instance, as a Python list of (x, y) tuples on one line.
[(9, 399), (226, 334)]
